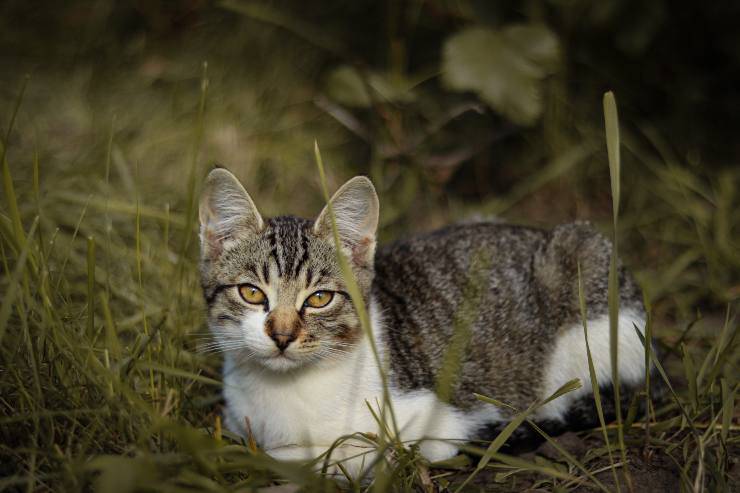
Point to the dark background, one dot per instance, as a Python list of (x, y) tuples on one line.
[(369, 81), (113, 112)]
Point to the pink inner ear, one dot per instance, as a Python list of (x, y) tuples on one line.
[(214, 244), (360, 251)]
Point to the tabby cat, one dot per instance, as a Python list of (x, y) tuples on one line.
[(299, 371)]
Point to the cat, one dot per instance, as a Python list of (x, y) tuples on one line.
[(299, 371)]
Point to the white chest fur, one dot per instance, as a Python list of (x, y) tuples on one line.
[(312, 407)]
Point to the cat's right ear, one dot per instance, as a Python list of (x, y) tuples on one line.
[(355, 209), (227, 213)]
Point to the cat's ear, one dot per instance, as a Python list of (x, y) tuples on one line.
[(227, 213), (355, 206)]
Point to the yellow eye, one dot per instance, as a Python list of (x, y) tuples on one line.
[(252, 294), (319, 299)]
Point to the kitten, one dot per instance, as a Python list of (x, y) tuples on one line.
[(300, 371)]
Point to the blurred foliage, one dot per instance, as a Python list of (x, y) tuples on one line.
[(504, 68), (456, 109)]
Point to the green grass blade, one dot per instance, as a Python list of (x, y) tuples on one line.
[(648, 368), (472, 297), (14, 114), (567, 387), (728, 408), (569, 457), (530, 466), (176, 372), (90, 285), (12, 202), (293, 24), (111, 334), (611, 120), (690, 371), (496, 444), (14, 283), (593, 379), (513, 424), (667, 381), (359, 304)]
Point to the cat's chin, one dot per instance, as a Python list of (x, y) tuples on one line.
[(281, 363)]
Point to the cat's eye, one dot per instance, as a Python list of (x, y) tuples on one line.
[(319, 299), (252, 294)]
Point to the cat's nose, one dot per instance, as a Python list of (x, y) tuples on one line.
[(283, 326), (282, 341)]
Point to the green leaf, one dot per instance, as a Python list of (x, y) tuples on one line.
[(505, 67)]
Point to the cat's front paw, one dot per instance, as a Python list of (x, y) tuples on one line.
[(437, 450), (350, 460), (294, 453), (342, 461)]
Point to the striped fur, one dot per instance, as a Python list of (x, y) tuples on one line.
[(524, 334)]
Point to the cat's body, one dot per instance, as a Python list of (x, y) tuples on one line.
[(528, 301), (300, 375)]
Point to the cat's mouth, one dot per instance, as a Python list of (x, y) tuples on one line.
[(280, 361)]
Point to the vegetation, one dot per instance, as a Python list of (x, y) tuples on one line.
[(105, 382)]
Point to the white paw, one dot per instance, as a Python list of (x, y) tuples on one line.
[(355, 460), (294, 453), (437, 450)]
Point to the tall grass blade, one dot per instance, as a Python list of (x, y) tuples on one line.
[(534, 467), (60, 274), (667, 381), (612, 143), (513, 424), (14, 283), (568, 456), (90, 286), (264, 12), (728, 408), (359, 303), (12, 202), (190, 215), (648, 369), (111, 334), (592, 376), (472, 297), (690, 371)]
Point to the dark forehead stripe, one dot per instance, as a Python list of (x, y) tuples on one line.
[(272, 240), (288, 238), (303, 238)]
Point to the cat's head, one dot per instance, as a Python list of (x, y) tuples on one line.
[(275, 292)]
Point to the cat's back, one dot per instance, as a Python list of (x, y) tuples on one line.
[(425, 279), (435, 265), (510, 288), (479, 275), (421, 281)]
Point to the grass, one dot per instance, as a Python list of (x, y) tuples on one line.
[(104, 382)]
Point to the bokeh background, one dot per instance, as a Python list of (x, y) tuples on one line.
[(457, 110)]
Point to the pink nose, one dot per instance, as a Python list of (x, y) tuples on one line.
[(282, 341)]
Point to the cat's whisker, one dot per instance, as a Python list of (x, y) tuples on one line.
[(221, 346)]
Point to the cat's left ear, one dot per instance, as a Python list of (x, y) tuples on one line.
[(227, 213), (355, 207)]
